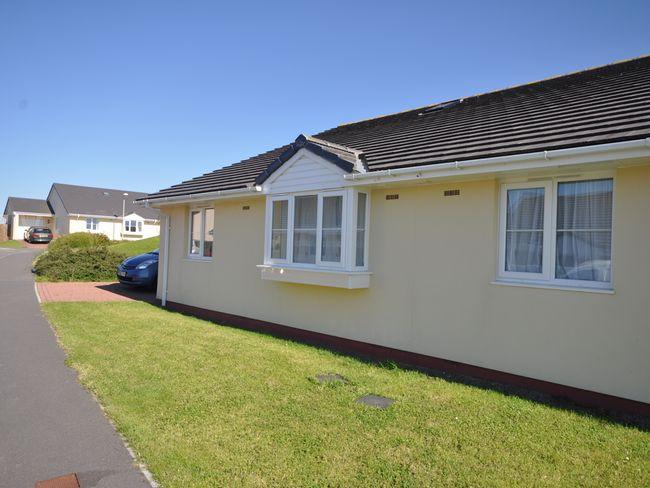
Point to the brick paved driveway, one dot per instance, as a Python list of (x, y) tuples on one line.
[(92, 292)]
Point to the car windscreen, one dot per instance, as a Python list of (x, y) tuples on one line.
[(41, 229)]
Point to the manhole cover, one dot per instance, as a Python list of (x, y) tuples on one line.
[(375, 401), (330, 378), (66, 481)]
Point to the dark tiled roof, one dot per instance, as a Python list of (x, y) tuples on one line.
[(596, 106), (31, 205), (88, 200)]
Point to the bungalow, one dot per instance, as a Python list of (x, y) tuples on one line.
[(102, 211), (503, 236), (72, 208), (23, 213)]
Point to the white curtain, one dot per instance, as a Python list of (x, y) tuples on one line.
[(304, 229), (331, 236), (279, 229), (361, 230), (525, 230), (208, 236), (584, 230)]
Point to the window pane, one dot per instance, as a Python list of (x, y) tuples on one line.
[(584, 236), (304, 229), (361, 230), (279, 244), (361, 241), (195, 232), (208, 237), (525, 230), (524, 251), (279, 229), (304, 246), (331, 236)]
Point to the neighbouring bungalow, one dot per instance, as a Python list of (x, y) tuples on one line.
[(23, 213), (72, 208), (503, 236), (102, 211)]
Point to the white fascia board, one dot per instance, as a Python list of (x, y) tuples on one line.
[(616, 152), (33, 214), (201, 197)]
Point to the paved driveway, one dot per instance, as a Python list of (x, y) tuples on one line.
[(49, 425)]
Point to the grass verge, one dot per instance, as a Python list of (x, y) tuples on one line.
[(12, 244), (205, 405), (133, 248)]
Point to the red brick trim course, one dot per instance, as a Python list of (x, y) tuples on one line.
[(579, 396)]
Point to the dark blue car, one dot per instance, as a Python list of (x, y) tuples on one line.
[(139, 270)]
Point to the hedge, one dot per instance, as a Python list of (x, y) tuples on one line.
[(63, 263), (79, 240)]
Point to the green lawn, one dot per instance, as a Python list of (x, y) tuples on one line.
[(133, 248), (12, 244), (207, 405)]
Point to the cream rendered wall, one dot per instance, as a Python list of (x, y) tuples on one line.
[(433, 260), (113, 228)]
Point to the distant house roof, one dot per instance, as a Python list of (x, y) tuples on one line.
[(596, 106), (86, 200), (29, 205)]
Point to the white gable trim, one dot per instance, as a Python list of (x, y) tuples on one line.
[(305, 171)]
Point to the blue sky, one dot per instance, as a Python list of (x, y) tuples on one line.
[(141, 95)]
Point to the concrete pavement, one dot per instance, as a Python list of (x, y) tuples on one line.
[(49, 425)]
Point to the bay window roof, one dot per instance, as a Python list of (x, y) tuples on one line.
[(596, 106)]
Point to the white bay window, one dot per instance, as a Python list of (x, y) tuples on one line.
[(558, 232), (320, 231)]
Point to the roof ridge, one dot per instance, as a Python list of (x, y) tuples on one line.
[(356, 152), (490, 92), (98, 188)]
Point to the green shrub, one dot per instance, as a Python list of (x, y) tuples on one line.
[(80, 240), (78, 264)]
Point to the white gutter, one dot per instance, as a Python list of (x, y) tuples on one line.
[(542, 159), (197, 197), (165, 263)]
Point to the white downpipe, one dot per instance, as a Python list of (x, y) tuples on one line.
[(165, 268)]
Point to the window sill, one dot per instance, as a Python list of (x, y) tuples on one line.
[(319, 277), (200, 259), (549, 286)]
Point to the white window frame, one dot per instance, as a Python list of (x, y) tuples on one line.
[(348, 234), (269, 230), (547, 277), (138, 226), (353, 237), (94, 224), (199, 256)]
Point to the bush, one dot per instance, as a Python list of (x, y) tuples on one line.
[(65, 263), (80, 240)]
